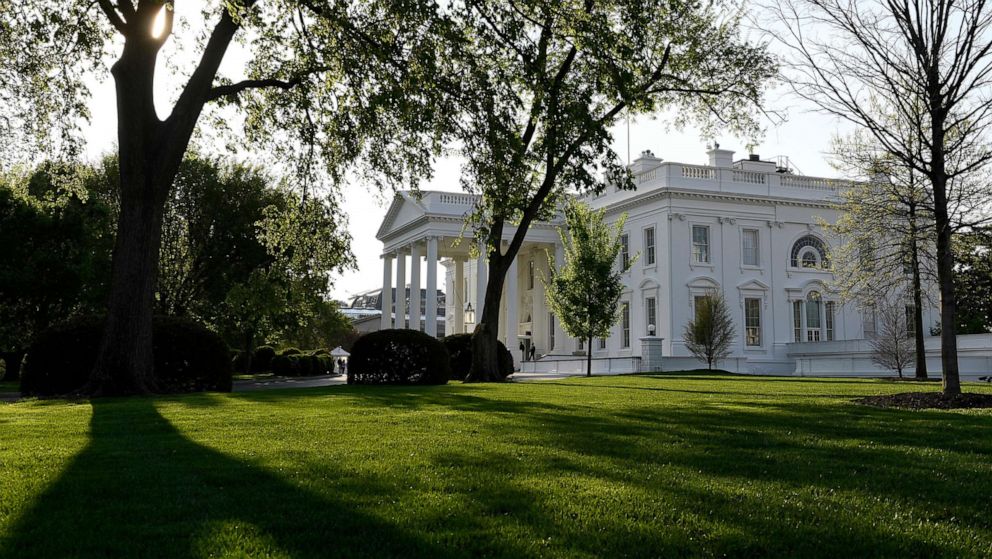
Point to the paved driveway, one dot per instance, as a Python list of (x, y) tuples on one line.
[(288, 382)]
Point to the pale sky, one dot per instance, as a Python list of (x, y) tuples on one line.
[(804, 138)]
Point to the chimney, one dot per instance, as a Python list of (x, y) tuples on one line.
[(754, 157), (720, 157), (645, 162)]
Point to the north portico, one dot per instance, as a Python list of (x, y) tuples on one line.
[(428, 229), (750, 229)]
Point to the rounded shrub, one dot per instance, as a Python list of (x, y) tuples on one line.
[(282, 366), (290, 351), (459, 347), (262, 360), (304, 365), (398, 357), (188, 357)]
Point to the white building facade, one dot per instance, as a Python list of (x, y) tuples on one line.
[(748, 229)]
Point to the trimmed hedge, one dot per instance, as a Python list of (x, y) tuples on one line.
[(459, 347), (262, 360), (302, 364), (188, 357), (398, 356)]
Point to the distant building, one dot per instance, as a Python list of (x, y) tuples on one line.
[(365, 309)]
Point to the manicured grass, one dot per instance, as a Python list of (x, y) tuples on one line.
[(647, 466)]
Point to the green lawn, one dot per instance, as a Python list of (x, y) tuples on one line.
[(701, 465)]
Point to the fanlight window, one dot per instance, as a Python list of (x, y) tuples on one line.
[(809, 252)]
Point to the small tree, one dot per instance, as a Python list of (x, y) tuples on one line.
[(709, 335), (585, 291), (893, 347)]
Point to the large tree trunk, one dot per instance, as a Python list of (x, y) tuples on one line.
[(124, 362), (921, 350), (485, 348), (945, 256), (589, 358)]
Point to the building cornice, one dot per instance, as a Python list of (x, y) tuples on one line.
[(673, 193)]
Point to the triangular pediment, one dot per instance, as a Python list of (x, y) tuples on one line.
[(404, 209), (752, 285)]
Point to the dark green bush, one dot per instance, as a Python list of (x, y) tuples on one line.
[(188, 357), (282, 366), (262, 360), (459, 347), (290, 351), (398, 357)]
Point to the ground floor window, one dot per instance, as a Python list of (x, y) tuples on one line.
[(602, 343), (752, 322), (625, 324), (829, 314), (813, 319), (551, 331), (651, 313)]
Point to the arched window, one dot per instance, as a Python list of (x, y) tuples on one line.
[(809, 252)]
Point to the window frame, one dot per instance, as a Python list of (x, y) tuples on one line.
[(757, 247), (625, 249), (752, 331), (625, 325), (650, 240), (651, 315), (707, 246)]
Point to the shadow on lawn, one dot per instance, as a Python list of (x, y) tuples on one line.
[(156, 493), (618, 477)]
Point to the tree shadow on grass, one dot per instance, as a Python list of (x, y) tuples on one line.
[(142, 489)]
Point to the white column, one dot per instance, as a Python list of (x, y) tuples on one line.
[(415, 255), (481, 280), (459, 295), (400, 289), (512, 312), (430, 320), (564, 345), (387, 292)]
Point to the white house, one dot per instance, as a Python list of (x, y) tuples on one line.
[(749, 228)]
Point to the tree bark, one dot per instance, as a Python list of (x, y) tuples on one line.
[(920, 336), (589, 358), (945, 259), (485, 348)]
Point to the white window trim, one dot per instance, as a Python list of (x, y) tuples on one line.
[(757, 266), (644, 238), (692, 245)]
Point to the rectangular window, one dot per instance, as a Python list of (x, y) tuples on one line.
[(625, 250), (649, 246), (797, 320), (700, 244), (602, 343), (530, 274), (868, 321), (551, 331), (830, 320), (750, 247), (812, 320), (582, 345), (625, 324), (698, 304), (910, 321), (752, 322), (652, 325)]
